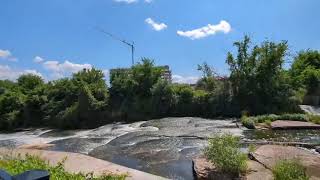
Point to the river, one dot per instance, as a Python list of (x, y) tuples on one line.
[(163, 147)]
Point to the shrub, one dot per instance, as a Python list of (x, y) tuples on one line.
[(314, 118), (289, 170), (248, 122), (293, 117), (19, 165), (223, 151), (268, 118)]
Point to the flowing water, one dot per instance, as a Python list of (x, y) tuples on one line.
[(163, 147)]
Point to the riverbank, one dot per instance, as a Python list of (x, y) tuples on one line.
[(79, 163)]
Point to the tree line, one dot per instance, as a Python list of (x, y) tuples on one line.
[(258, 83)]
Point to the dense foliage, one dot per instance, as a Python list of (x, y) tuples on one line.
[(224, 152), (19, 165), (289, 170), (257, 84), (251, 121), (305, 71)]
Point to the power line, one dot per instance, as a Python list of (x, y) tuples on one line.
[(121, 40)]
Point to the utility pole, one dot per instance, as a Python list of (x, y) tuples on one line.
[(131, 45)]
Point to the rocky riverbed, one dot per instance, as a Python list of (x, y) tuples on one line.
[(163, 147)]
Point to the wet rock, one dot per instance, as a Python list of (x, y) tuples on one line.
[(280, 124), (39, 146), (269, 155), (318, 149)]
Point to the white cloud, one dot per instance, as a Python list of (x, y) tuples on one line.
[(65, 67), (126, 1), (6, 72), (205, 31), (148, 1), (59, 70), (156, 26), (6, 54), (38, 59), (32, 71), (184, 79)]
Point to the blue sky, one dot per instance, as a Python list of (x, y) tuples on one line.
[(55, 38)]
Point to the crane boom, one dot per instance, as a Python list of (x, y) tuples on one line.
[(121, 40)]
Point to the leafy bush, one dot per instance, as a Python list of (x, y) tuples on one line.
[(19, 165), (293, 117), (223, 151), (248, 122), (289, 170), (314, 118)]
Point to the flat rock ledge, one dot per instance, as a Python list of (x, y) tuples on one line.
[(204, 170), (281, 124), (76, 163), (268, 155)]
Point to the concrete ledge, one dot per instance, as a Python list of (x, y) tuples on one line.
[(76, 163)]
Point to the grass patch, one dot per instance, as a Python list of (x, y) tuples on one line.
[(19, 165), (314, 118), (252, 148), (250, 121), (289, 170), (223, 151)]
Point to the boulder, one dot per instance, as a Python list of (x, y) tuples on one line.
[(203, 170), (318, 149), (269, 155), (281, 124)]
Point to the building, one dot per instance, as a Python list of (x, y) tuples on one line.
[(166, 73)]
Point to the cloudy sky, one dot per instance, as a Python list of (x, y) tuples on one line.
[(56, 38)]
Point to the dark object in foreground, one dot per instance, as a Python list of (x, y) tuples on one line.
[(28, 175)]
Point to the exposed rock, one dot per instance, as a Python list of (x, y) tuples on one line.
[(280, 124), (76, 163), (269, 155), (204, 170), (317, 149), (258, 171), (41, 146)]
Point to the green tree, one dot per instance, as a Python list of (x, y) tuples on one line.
[(258, 80), (29, 82), (208, 81), (305, 71)]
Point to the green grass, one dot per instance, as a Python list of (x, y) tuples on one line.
[(19, 165), (250, 121), (223, 151), (289, 170)]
